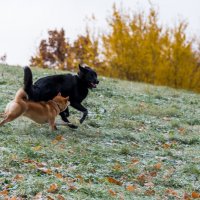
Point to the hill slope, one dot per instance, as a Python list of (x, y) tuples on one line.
[(139, 142)]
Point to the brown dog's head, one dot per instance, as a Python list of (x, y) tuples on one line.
[(62, 102)]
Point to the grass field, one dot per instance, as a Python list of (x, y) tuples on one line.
[(138, 142)]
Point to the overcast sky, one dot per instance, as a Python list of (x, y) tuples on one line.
[(23, 23)]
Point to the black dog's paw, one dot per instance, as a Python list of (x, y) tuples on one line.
[(72, 126)]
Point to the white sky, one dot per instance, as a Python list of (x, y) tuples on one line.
[(23, 23)]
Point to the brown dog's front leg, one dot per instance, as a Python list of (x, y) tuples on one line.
[(53, 125)]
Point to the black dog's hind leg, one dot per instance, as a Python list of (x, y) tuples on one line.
[(64, 116), (81, 108)]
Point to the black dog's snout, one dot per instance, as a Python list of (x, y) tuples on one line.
[(97, 81)]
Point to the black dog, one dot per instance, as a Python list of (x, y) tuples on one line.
[(74, 86)]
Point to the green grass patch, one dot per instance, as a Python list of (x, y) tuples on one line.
[(145, 138)]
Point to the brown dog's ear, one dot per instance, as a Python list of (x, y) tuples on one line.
[(59, 94)]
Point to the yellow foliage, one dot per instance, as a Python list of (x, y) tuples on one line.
[(138, 48)]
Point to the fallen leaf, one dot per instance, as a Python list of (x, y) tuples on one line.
[(18, 177), (54, 141), (171, 192), (150, 192), (135, 161), (59, 175), (157, 166), (195, 195), (37, 148), (59, 138), (50, 198), (112, 193), (80, 178), (42, 164), (166, 146), (186, 196), (72, 187), (28, 161), (4, 192), (141, 178), (13, 198), (114, 181), (53, 188), (45, 170), (60, 197), (153, 173), (181, 130), (131, 188), (38, 196), (117, 167)]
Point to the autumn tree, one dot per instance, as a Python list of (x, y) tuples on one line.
[(56, 52), (139, 48), (86, 50)]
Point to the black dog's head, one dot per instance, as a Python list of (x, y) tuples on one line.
[(88, 76)]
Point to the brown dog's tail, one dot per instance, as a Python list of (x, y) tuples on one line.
[(21, 95)]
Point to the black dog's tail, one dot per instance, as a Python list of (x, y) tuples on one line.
[(28, 81)]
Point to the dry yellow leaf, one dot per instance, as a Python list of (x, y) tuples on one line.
[(18, 177), (166, 146), (114, 181), (59, 175), (112, 193), (4, 192), (37, 148), (13, 198), (59, 138), (171, 192), (158, 166), (60, 197), (50, 198), (53, 188), (150, 192), (131, 188), (135, 161), (195, 195)]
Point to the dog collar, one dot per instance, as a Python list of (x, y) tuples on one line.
[(58, 109)]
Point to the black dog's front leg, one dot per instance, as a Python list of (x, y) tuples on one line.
[(81, 108), (64, 116)]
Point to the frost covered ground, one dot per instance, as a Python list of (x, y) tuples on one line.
[(139, 142)]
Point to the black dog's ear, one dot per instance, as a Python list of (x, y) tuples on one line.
[(82, 68)]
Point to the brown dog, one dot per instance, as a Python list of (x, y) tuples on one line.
[(40, 112)]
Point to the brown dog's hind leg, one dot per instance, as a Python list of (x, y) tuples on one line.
[(5, 120)]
